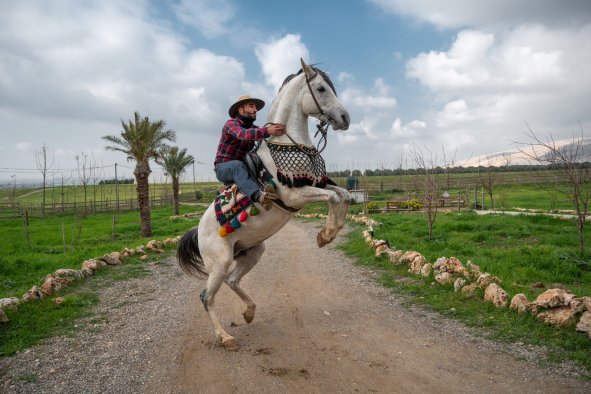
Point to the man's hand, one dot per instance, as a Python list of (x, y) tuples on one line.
[(276, 129)]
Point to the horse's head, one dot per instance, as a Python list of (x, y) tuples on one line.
[(319, 98), (314, 94)]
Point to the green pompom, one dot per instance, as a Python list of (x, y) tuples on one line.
[(253, 211)]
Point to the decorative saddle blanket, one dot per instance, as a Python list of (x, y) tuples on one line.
[(231, 209), (299, 165)]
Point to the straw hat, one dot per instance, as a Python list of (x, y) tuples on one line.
[(243, 100)]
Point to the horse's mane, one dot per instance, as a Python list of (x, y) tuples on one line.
[(322, 73)]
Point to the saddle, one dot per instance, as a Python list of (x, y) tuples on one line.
[(262, 176), (256, 168)]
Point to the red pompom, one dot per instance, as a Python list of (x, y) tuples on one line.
[(243, 216)]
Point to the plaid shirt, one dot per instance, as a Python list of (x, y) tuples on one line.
[(236, 141)]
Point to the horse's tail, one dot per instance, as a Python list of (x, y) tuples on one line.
[(188, 254)]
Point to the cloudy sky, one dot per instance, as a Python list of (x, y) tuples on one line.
[(463, 74)]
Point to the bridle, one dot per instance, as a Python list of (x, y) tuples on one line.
[(321, 127)]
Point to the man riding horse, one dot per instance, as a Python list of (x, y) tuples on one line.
[(239, 135), (216, 250)]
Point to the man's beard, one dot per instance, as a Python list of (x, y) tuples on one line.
[(248, 120)]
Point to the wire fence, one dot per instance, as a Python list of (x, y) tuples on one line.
[(17, 210)]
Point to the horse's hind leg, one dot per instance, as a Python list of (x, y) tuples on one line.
[(217, 274), (245, 261)]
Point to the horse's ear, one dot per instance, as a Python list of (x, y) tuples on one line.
[(307, 69)]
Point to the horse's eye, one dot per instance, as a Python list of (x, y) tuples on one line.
[(321, 89)]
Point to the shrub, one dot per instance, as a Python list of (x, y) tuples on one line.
[(412, 204), (372, 206)]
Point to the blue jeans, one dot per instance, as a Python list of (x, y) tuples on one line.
[(234, 171)]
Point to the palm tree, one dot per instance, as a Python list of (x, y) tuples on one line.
[(174, 162), (142, 140)]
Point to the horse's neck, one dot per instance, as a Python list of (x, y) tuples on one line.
[(286, 110)]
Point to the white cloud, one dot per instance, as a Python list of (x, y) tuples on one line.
[(23, 146), (210, 18), (453, 113), (475, 63), (486, 13), (281, 57), (345, 77), (379, 99), (69, 72), (485, 86), (406, 131)]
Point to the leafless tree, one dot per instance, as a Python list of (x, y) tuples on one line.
[(96, 173), (489, 179), (447, 164), (425, 180), (569, 178), (84, 173), (45, 167)]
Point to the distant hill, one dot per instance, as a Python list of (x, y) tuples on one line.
[(516, 157)]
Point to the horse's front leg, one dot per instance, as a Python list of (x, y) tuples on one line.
[(343, 207), (338, 202)]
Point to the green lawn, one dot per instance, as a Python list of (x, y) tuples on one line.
[(23, 264), (508, 197)]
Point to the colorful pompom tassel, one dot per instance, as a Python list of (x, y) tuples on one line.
[(235, 224), (222, 232), (243, 216), (228, 228), (253, 210)]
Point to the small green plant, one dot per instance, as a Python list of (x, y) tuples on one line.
[(372, 207), (413, 204), (29, 378)]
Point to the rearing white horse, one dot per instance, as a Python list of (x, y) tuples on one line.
[(300, 176)]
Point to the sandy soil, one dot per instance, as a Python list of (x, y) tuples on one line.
[(322, 325)]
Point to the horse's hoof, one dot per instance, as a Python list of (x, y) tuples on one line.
[(230, 344), (321, 240), (248, 316)]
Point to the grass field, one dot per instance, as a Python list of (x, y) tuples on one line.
[(23, 264)]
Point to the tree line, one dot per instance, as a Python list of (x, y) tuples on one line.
[(114, 181), (455, 170)]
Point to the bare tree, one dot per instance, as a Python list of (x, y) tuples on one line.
[(84, 172), (96, 173), (45, 168), (570, 178), (426, 182), (489, 178), (447, 164)]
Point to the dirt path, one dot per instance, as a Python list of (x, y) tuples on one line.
[(322, 325)]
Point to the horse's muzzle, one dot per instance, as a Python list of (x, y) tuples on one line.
[(342, 123)]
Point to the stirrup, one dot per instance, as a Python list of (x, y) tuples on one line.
[(270, 191), (265, 200)]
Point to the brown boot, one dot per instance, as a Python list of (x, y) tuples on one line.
[(269, 189), (265, 200), (267, 196)]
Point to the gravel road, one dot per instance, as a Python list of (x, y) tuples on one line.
[(322, 325)]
